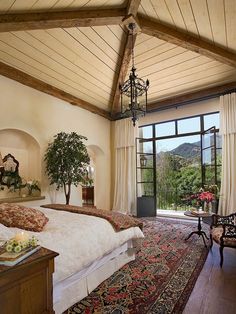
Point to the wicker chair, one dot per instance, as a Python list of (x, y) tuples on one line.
[(223, 232)]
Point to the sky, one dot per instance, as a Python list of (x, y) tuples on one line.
[(184, 126)]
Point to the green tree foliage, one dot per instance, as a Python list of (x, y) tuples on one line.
[(176, 178), (189, 179), (185, 179), (168, 172), (66, 161)]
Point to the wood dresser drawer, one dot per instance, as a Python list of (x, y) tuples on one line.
[(26, 288)]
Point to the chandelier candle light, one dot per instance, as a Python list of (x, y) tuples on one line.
[(134, 90)]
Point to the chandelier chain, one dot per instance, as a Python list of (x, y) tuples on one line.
[(134, 90), (132, 45)]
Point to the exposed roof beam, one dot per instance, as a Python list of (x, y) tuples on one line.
[(131, 19), (133, 6), (81, 18), (207, 93), (30, 81), (187, 41), (131, 16), (123, 71), (132, 9)]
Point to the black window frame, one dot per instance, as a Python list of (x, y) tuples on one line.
[(202, 129)]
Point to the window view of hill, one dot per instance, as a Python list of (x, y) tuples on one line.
[(178, 175), (187, 150), (180, 170)]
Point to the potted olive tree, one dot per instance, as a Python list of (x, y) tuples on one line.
[(66, 161)]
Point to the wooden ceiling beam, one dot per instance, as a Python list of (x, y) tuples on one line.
[(131, 16), (122, 71), (186, 41), (131, 12), (181, 100), (47, 20), (41, 86), (133, 6)]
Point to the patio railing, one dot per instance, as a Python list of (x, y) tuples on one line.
[(174, 199)]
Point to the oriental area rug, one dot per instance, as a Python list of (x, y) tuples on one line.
[(161, 278)]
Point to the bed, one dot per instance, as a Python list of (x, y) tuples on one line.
[(89, 250)]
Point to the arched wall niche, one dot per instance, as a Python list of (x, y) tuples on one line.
[(25, 149), (94, 152), (96, 155)]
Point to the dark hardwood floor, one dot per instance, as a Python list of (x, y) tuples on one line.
[(215, 289)]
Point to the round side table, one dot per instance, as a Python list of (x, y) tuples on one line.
[(199, 232)]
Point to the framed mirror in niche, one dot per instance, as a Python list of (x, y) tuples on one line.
[(10, 172), (13, 187), (27, 152)]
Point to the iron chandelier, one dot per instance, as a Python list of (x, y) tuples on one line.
[(133, 91)]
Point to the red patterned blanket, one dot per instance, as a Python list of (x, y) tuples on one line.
[(117, 220)]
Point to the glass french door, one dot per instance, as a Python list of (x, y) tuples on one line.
[(145, 177), (208, 157)]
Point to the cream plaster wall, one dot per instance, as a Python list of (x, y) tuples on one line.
[(43, 116), (210, 105)]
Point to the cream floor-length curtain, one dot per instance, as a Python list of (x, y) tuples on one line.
[(125, 167), (227, 203)]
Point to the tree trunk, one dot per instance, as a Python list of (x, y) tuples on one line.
[(67, 199), (68, 194)]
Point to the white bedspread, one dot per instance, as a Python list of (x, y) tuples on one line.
[(79, 239)]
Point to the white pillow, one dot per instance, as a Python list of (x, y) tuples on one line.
[(5, 233)]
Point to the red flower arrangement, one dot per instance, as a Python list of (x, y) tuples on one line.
[(206, 196), (202, 196)]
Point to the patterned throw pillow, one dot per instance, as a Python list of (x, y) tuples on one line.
[(14, 215)]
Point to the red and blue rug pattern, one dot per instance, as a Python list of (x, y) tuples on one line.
[(161, 278)]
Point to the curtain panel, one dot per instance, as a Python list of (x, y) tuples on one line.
[(227, 203), (125, 167)]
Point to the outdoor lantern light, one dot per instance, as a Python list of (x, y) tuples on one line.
[(143, 161), (134, 90)]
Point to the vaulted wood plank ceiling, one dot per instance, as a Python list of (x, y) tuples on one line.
[(78, 61), (212, 20), (182, 46)]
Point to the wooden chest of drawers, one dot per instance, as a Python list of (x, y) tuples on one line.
[(26, 288), (88, 195)]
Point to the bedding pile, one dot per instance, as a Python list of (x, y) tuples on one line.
[(79, 239), (117, 220)]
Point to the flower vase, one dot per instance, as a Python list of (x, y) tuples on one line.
[(207, 207), (215, 205), (210, 207)]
